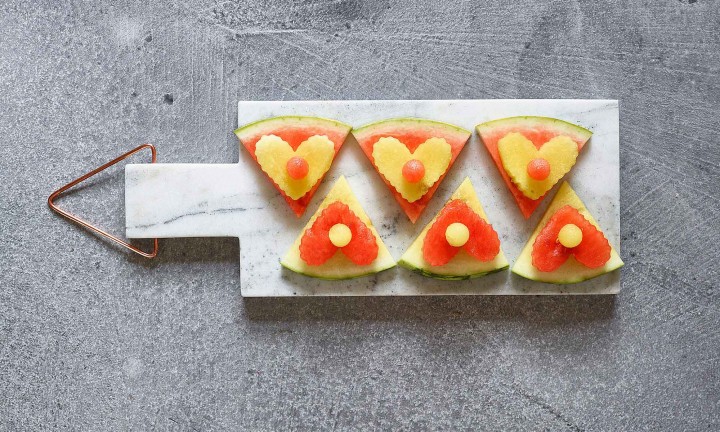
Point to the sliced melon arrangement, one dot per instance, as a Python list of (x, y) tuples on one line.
[(339, 241), (532, 154), (412, 156), (567, 246), (295, 152), (459, 243)]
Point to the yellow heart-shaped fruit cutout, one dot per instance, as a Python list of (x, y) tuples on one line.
[(516, 153), (390, 156), (273, 154)]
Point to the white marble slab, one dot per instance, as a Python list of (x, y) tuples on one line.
[(237, 200)]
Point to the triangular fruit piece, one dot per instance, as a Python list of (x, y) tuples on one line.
[(567, 246), (459, 243), (412, 156), (294, 152), (339, 241), (532, 154)]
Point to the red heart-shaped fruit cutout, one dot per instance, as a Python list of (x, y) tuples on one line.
[(482, 244), (548, 254), (316, 247)]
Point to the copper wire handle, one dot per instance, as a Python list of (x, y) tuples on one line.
[(88, 225)]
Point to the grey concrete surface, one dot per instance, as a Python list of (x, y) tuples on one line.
[(92, 338)]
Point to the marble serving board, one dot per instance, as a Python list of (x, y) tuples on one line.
[(237, 200)]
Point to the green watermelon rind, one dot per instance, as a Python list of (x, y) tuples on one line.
[(569, 281), (580, 131), (271, 123), (410, 120), (455, 277), (333, 278)]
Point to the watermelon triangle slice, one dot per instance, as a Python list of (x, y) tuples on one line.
[(298, 135), (539, 130), (313, 253), (567, 208), (462, 265), (411, 133)]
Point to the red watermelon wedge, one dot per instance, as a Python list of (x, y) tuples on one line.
[(412, 133), (539, 130), (295, 131)]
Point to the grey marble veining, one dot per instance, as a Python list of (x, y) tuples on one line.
[(237, 200)]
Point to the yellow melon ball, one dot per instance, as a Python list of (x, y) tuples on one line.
[(457, 234), (570, 236), (340, 235)]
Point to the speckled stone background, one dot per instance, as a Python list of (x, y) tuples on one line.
[(92, 338)]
